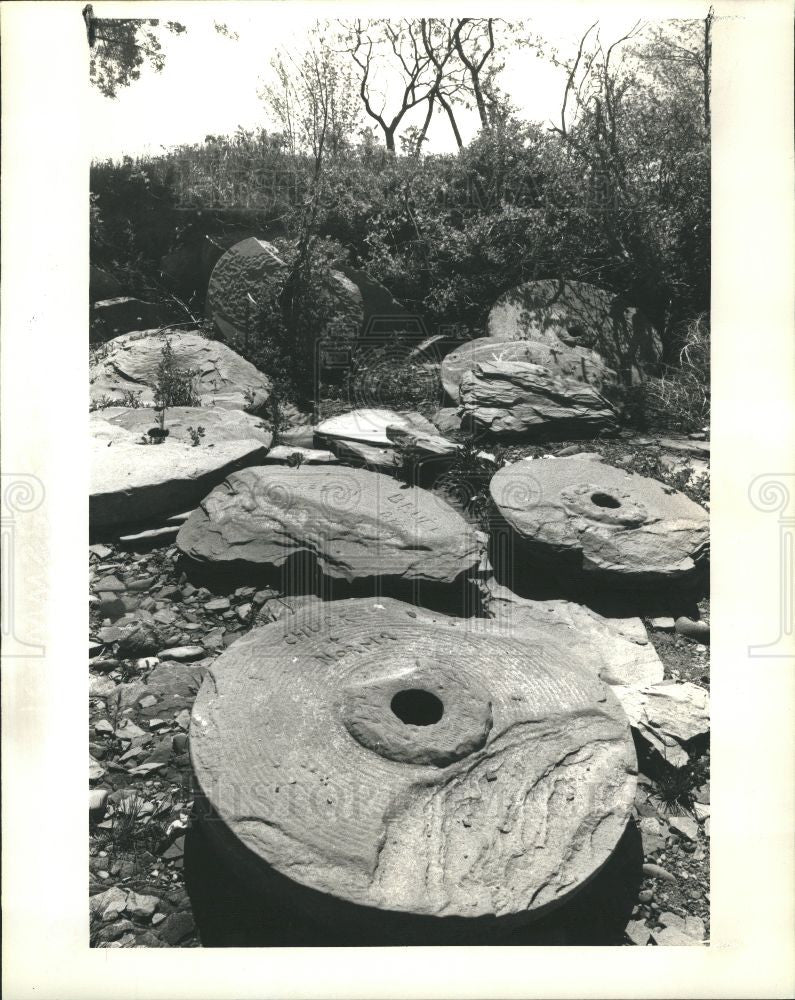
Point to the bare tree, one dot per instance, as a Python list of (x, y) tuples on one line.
[(399, 44), (474, 42), (448, 85)]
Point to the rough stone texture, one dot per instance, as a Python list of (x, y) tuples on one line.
[(499, 809), (247, 278), (111, 317), (577, 363), (219, 424), (574, 314), (355, 523), (249, 268), (130, 365), (102, 285), (617, 650), (516, 397), (133, 482), (590, 516), (369, 426), (667, 715)]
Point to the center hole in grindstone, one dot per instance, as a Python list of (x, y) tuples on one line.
[(416, 707), (604, 500)]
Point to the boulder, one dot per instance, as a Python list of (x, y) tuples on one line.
[(519, 398), (112, 317), (129, 365), (244, 281), (218, 424), (586, 516), (102, 285), (354, 523), (132, 483), (577, 363), (568, 314), (370, 456), (447, 420), (366, 759), (369, 426), (617, 650), (667, 715)]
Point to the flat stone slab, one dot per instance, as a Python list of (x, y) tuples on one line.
[(517, 398), (217, 423), (617, 650), (577, 363), (592, 517), (355, 523), (132, 483), (370, 751), (369, 426), (128, 364), (570, 314)]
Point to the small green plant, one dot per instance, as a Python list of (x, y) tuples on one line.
[(468, 477), (674, 789), (132, 827), (196, 435)]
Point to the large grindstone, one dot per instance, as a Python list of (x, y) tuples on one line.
[(567, 314), (354, 523), (386, 767), (129, 364), (577, 363), (585, 515), (245, 280)]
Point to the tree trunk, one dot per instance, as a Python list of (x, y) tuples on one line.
[(707, 69), (453, 124)]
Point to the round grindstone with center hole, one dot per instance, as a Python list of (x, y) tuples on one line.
[(592, 517), (394, 761)]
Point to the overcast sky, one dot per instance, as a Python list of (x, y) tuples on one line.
[(210, 83)]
